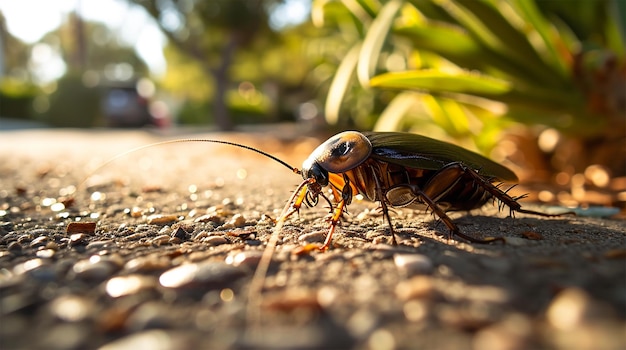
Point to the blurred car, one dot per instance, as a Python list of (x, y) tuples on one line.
[(124, 107)]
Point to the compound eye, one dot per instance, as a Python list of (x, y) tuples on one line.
[(342, 152)]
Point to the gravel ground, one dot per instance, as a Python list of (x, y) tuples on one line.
[(163, 244)]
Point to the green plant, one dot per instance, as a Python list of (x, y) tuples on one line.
[(473, 68)]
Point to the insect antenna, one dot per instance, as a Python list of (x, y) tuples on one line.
[(168, 142), (253, 312)]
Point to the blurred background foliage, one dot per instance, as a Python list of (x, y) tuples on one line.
[(537, 84), (469, 67), (552, 74)]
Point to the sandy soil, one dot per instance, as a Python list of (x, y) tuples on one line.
[(180, 229)]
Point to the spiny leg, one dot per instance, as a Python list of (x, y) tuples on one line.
[(383, 205), (334, 220), (505, 198), (346, 198), (454, 230)]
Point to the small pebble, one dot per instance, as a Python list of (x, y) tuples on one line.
[(214, 240), (95, 268), (202, 275), (81, 227), (98, 245), (180, 233), (237, 220), (45, 253), (14, 247), (160, 240), (313, 237), (28, 266), (52, 245), (209, 218), (147, 264), (126, 285), (38, 269), (568, 309), (78, 239), (415, 288), (25, 238), (135, 212), (39, 242), (160, 219), (71, 308), (413, 264), (248, 258), (200, 235), (6, 226), (166, 230), (153, 339), (515, 241)]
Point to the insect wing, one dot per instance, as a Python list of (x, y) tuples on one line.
[(421, 152)]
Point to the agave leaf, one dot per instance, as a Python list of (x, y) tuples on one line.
[(318, 12), (358, 11), (372, 7), (448, 114), (436, 81), (615, 27), (391, 118), (432, 10), (329, 11), (374, 40), (493, 29), (549, 41), (340, 84), (453, 44)]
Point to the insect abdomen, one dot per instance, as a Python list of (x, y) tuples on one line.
[(450, 187)]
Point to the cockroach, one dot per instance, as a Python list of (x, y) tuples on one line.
[(396, 169)]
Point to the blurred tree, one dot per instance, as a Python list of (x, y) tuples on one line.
[(95, 58), (17, 90), (14, 54), (211, 32)]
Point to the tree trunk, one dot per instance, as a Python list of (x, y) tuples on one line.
[(222, 82)]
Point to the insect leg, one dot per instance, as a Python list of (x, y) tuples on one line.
[(296, 200), (505, 198), (346, 198), (454, 230), (383, 205)]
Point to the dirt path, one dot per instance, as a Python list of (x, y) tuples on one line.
[(180, 229)]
